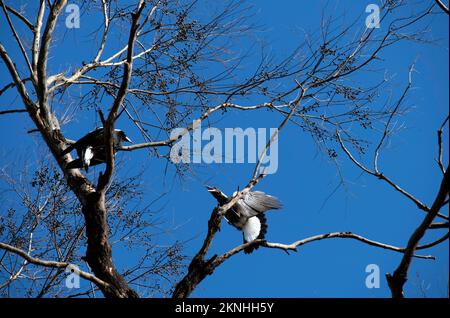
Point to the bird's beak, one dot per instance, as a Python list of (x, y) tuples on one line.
[(128, 139), (210, 188)]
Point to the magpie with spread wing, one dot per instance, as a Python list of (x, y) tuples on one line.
[(91, 148), (247, 214)]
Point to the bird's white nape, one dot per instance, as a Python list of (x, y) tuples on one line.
[(251, 229)]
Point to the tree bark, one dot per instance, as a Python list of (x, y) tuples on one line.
[(99, 252)]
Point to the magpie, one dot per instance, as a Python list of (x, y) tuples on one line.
[(91, 148), (247, 214)]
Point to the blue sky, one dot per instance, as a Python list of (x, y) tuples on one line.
[(304, 180)]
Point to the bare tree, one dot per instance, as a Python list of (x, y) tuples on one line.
[(156, 80), (45, 220)]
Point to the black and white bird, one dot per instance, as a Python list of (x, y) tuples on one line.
[(247, 215), (91, 148)]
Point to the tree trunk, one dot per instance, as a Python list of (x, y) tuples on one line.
[(99, 252)]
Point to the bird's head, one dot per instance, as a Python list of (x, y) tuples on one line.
[(212, 189), (219, 195), (122, 136)]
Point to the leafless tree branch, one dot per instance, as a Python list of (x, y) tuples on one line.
[(439, 134), (205, 268), (439, 225), (109, 125), (54, 264), (37, 37), (16, 36), (294, 246), (381, 176), (442, 6), (42, 88), (18, 82), (20, 16), (399, 278), (12, 111), (437, 242)]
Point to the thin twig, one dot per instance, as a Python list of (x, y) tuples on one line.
[(16, 36), (381, 176), (295, 104), (439, 134), (391, 116), (12, 111), (105, 32), (196, 123), (21, 17)]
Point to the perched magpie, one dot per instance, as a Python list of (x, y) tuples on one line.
[(91, 148), (247, 215)]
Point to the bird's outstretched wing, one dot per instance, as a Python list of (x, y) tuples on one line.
[(254, 203)]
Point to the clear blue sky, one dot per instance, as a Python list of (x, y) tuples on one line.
[(305, 178)]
